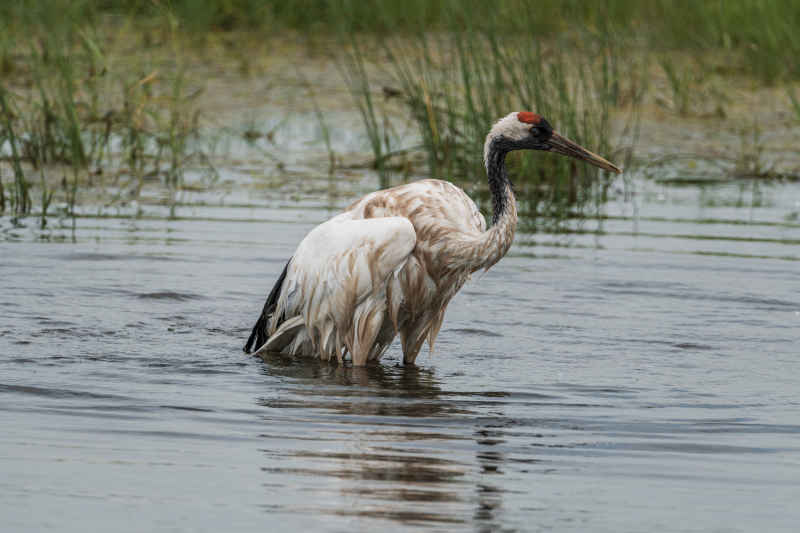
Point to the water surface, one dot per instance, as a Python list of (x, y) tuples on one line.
[(643, 377)]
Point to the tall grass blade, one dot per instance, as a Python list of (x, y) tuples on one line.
[(21, 198)]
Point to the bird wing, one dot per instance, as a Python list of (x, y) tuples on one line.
[(423, 202), (337, 279)]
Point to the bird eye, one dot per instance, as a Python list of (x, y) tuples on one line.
[(537, 131)]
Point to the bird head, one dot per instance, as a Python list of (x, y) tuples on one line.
[(528, 131)]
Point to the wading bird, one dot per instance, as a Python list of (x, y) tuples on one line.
[(391, 262)]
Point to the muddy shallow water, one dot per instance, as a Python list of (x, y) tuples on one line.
[(642, 378)]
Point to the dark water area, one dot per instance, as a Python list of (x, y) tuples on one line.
[(641, 378)]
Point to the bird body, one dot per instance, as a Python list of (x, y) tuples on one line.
[(392, 261)]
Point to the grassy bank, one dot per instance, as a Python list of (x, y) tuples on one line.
[(759, 37)]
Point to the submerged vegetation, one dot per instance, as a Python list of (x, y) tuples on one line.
[(103, 95)]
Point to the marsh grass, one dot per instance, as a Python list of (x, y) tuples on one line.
[(87, 120), (795, 102), (353, 67), (750, 161), (20, 198), (323, 123), (83, 108), (455, 85), (680, 84)]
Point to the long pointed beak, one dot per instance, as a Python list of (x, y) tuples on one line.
[(564, 146)]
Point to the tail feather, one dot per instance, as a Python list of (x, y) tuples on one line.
[(283, 336), (260, 334)]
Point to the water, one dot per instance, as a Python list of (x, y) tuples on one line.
[(644, 378)]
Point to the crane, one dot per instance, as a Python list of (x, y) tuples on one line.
[(392, 261)]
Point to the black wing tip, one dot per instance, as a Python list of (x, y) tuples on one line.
[(248, 347), (259, 336)]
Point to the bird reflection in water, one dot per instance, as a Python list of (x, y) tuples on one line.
[(378, 442), (489, 495)]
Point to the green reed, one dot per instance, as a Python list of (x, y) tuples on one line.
[(82, 116), (455, 85), (353, 67), (20, 198), (323, 123), (68, 104)]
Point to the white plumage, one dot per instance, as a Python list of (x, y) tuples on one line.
[(391, 262), (337, 283)]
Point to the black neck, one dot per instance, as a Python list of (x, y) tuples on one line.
[(498, 179)]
